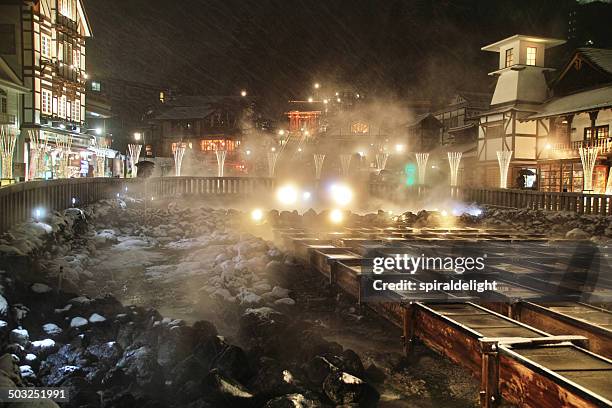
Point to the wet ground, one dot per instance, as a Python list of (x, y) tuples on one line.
[(424, 380)]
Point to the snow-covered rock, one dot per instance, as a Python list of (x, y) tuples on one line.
[(3, 307), (40, 288), (19, 336), (285, 302), (78, 321), (26, 371), (577, 233), (96, 318), (52, 329)]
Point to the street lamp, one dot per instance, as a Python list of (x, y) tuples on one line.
[(243, 93), (137, 136), (317, 85)]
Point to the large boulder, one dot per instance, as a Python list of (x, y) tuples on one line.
[(343, 388), (140, 363)]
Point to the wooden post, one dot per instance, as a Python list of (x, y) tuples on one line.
[(489, 379)]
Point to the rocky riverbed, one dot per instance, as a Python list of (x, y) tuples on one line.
[(85, 292)]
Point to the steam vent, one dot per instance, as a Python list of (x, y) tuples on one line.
[(230, 204)]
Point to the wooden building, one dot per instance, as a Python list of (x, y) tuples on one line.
[(520, 91), (44, 46), (578, 114), (203, 124)]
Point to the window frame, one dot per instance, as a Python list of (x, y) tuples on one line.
[(509, 61), (528, 60), (46, 108)]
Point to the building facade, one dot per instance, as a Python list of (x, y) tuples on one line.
[(203, 125), (44, 45), (577, 115), (520, 91), (546, 116)]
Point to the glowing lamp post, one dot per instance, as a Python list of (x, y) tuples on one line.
[(7, 147), (221, 154), (134, 150), (503, 158), (318, 160), (272, 158), (345, 162), (179, 153), (381, 161), (588, 156), (422, 165)]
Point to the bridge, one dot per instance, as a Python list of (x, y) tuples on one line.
[(19, 201)]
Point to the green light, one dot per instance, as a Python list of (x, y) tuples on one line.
[(411, 172)]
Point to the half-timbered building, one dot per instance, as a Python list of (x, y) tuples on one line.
[(49, 58)]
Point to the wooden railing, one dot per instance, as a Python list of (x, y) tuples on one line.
[(580, 203)]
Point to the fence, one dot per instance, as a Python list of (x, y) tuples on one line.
[(19, 201), (599, 204)]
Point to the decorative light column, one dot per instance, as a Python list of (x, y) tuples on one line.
[(272, 157), (381, 160), (318, 160), (588, 156), (100, 148), (221, 154), (345, 162), (8, 138), (38, 149), (64, 144), (454, 158), (134, 150), (422, 165), (503, 158), (179, 153)]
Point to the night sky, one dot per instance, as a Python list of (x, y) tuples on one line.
[(278, 48)]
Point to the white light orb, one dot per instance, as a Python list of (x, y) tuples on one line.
[(287, 195), (341, 194), (336, 216), (257, 215)]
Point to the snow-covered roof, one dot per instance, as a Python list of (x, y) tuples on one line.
[(585, 101), (600, 57)]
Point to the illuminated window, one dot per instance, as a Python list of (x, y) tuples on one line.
[(45, 46), (598, 132), (61, 109), (162, 97), (531, 56), (509, 57), (76, 58), (76, 111), (360, 127), (68, 9), (177, 144), (209, 145), (96, 86), (45, 105)]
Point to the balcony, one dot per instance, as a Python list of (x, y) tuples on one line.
[(8, 119), (571, 150), (66, 24)]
